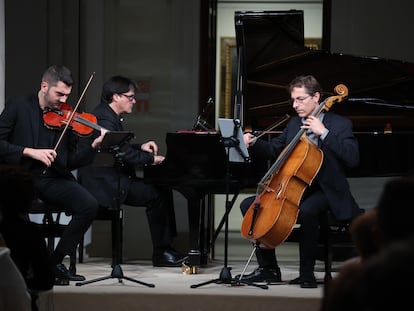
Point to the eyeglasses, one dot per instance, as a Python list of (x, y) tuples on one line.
[(300, 100), (130, 97)]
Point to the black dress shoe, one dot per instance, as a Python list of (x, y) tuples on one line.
[(305, 282), (74, 276), (261, 274), (168, 258), (63, 276)]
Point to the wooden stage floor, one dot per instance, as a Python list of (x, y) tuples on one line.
[(172, 289)]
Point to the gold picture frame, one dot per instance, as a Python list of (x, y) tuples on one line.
[(228, 71)]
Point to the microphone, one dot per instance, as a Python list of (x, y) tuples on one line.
[(200, 123)]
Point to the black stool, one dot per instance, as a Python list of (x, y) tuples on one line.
[(51, 227), (335, 242)]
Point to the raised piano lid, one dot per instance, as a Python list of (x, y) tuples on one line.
[(271, 53)]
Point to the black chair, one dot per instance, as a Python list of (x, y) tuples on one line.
[(335, 243), (51, 228)]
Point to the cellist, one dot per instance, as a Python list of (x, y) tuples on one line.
[(329, 190)]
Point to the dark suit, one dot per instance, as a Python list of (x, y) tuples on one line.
[(21, 125), (330, 189), (102, 182)]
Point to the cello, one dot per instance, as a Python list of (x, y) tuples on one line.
[(271, 217)]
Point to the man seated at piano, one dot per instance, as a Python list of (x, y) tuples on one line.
[(118, 98), (328, 191)]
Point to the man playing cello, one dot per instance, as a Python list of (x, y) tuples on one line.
[(328, 191)]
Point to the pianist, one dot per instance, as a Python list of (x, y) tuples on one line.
[(118, 98), (330, 189)]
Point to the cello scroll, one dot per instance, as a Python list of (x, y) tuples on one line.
[(342, 92)]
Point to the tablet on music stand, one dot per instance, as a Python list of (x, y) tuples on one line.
[(231, 128), (114, 139), (110, 147)]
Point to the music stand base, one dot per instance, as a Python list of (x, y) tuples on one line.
[(225, 278), (116, 273)]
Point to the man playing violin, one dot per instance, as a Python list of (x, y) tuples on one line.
[(25, 140), (118, 98), (329, 190)]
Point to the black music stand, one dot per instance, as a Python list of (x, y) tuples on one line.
[(110, 155), (232, 145)]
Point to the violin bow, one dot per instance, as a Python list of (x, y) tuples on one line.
[(72, 115)]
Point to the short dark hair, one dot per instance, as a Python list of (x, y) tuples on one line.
[(56, 73), (117, 85), (308, 82)]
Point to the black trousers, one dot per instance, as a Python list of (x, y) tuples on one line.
[(70, 197), (159, 210), (313, 204)]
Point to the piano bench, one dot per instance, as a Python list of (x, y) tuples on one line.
[(51, 228), (116, 217)]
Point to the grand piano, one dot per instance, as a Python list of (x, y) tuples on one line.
[(380, 102), (197, 165), (271, 52)]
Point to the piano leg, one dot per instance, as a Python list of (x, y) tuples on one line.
[(199, 244), (194, 256)]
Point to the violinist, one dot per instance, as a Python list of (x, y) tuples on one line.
[(26, 141), (328, 191), (118, 99)]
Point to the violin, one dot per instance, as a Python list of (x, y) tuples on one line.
[(82, 124)]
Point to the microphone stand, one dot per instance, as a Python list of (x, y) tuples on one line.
[(201, 123)]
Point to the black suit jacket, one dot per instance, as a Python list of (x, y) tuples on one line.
[(102, 181), (21, 124), (340, 149)]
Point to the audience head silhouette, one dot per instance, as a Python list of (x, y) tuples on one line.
[(365, 235), (395, 209)]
